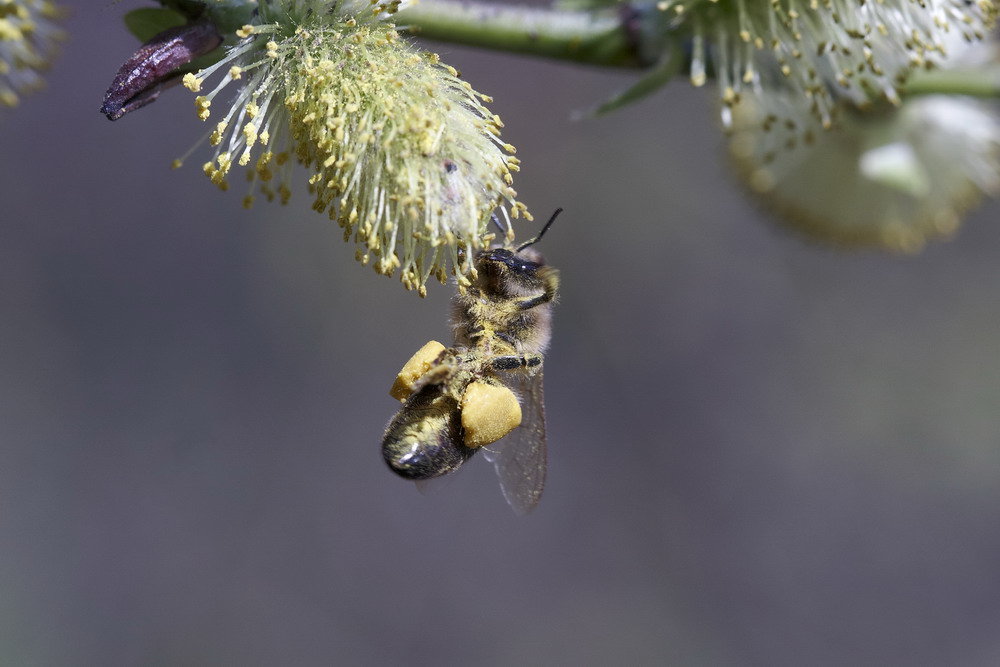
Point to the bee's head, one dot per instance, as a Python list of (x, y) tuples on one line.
[(504, 272), (513, 272)]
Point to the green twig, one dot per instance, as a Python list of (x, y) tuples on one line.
[(598, 37), (975, 82)]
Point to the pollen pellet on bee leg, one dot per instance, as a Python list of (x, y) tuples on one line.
[(489, 413), (418, 364)]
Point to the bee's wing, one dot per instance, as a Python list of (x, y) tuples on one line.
[(520, 458), (433, 485)]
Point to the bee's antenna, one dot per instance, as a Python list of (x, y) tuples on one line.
[(541, 233), (496, 221)]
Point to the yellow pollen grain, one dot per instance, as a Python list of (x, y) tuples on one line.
[(191, 82), (201, 108), (215, 138)]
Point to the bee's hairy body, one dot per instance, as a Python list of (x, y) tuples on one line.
[(507, 311), (502, 325)]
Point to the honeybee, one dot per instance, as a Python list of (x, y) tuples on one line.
[(458, 400)]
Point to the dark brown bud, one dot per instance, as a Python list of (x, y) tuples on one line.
[(153, 67)]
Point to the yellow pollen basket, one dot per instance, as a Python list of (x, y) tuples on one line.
[(412, 371), (489, 412)]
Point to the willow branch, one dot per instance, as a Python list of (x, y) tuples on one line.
[(600, 37), (975, 82)]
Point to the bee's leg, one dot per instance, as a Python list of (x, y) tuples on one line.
[(551, 278), (513, 362), (474, 333), (440, 371), (507, 338)]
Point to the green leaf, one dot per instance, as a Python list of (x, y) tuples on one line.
[(148, 22), (665, 69), (227, 15)]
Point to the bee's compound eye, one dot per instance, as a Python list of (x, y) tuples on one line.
[(489, 413), (418, 364)]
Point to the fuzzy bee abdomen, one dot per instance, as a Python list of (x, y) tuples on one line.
[(424, 439)]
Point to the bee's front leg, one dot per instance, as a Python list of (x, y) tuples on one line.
[(550, 281)]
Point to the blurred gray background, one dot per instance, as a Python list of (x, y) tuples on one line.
[(762, 452)]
